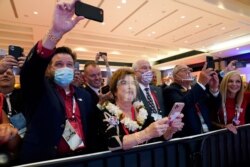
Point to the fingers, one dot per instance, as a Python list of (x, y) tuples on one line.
[(204, 66), (162, 121)]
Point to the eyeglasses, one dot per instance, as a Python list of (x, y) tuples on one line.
[(124, 82)]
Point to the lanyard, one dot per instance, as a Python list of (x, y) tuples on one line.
[(73, 117), (203, 124), (155, 100)]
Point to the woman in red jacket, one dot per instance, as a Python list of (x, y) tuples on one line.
[(234, 102)]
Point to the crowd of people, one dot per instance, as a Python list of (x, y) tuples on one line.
[(58, 113)]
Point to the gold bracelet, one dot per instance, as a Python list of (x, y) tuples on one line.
[(52, 37)]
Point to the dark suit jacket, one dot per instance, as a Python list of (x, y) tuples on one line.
[(94, 96), (158, 92), (175, 93), (46, 112)]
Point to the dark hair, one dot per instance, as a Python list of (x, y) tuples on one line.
[(118, 75), (67, 50)]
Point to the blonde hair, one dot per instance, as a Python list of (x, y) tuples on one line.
[(223, 89)]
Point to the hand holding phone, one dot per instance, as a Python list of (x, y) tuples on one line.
[(210, 62), (15, 51), (175, 111), (88, 11), (105, 89)]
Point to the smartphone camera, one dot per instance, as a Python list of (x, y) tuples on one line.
[(15, 51)]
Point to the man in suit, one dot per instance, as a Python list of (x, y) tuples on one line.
[(93, 79), (150, 95), (198, 99), (60, 118)]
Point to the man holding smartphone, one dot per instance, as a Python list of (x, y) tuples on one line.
[(13, 105), (61, 117), (197, 98)]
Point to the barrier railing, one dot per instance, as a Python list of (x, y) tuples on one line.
[(214, 149)]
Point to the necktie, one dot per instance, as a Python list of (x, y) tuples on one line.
[(150, 101)]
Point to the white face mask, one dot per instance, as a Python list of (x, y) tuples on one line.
[(147, 77), (188, 78)]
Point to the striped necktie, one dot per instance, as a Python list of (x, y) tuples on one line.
[(150, 101)]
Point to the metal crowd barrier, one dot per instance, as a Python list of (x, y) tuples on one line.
[(219, 148)]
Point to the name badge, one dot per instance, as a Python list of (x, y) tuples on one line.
[(71, 137), (19, 122)]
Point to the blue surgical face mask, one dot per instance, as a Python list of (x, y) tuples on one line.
[(63, 76)]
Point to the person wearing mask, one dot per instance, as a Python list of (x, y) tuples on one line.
[(150, 95), (123, 121), (61, 119), (234, 102), (196, 110)]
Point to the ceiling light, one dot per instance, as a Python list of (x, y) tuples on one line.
[(231, 43), (237, 48), (103, 23), (80, 49), (130, 28), (197, 26), (118, 7), (183, 17), (115, 53), (35, 12), (153, 32), (223, 28), (124, 1)]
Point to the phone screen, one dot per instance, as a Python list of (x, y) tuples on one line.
[(176, 110), (240, 64), (88, 11), (210, 62)]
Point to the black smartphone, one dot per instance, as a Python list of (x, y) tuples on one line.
[(77, 65), (240, 64), (15, 51), (88, 11), (102, 53), (210, 62), (105, 89)]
